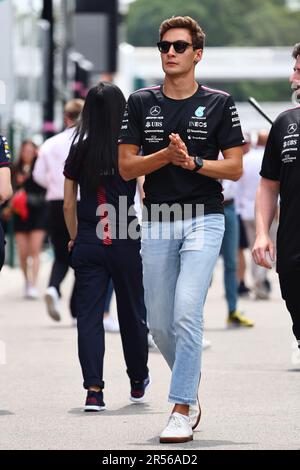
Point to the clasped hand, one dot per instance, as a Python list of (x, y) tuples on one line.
[(178, 153)]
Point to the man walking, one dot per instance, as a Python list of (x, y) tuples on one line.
[(181, 127), (280, 175), (48, 173), (246, 194)]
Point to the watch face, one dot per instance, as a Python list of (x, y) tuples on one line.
[(198, 162), (196, 165)]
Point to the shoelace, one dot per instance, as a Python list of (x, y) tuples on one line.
[(175, 421)]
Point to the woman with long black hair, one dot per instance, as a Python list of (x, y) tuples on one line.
[(98, 251)]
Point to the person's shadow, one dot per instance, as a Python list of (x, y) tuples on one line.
[(6, 413), (128, 410), (195, 444)]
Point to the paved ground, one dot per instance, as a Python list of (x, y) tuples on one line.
[(250, 387)]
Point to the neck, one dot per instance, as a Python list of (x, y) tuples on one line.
[(181, 87)]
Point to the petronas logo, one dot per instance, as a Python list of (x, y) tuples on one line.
[(200, 111)]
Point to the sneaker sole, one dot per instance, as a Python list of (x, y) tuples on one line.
[(142, 399), (53, 313), (175, 440), (89, 408)]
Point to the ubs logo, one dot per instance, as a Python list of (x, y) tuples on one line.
[(155, 111), (292, 128)]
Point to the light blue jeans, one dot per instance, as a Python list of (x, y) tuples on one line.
[(177, 273), (229, 251)]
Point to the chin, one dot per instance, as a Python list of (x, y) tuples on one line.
[(172, 71)]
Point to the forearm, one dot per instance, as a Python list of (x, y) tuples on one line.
[(265, 207), (70, 206), (70, 213), (135, 165), (229, 169)]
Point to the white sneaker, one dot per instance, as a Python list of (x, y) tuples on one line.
[(31, 292), (52, 302), (178, 430), (205, 344), (111, 324)]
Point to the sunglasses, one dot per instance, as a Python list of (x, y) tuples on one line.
[(179, 46)]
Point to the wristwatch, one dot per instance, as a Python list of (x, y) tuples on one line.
[(198, 164)]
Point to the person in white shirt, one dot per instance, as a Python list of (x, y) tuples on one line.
[(246, 191), (48, 172)]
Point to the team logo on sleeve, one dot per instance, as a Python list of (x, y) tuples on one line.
[(5, 146), (292, 128), (200, 111)]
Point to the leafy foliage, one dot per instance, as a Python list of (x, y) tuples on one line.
[(225, 22)]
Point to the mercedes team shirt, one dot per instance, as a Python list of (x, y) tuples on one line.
[(207, 122), (281, 163)]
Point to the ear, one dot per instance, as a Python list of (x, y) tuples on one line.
[(198, 55)]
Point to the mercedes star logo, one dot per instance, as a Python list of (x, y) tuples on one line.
[(155, 111), (292, 128)]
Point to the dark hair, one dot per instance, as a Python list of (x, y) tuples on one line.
[(95, 144), (19, 164), (296, 50), (186, 22)]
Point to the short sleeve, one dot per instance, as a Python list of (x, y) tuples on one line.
[(131, 125), (229, 130), (271, 164), (5, 155), (72, 168)]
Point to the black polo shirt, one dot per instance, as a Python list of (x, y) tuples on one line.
[(281, 163), (207, 122), (4, 153)]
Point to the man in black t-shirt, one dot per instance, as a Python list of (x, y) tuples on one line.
[(181, 127), (5, 186), (281, 176)]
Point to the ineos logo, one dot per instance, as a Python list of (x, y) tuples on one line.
[(155, 111)]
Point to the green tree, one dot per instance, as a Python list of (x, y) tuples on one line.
[(225, 22)]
